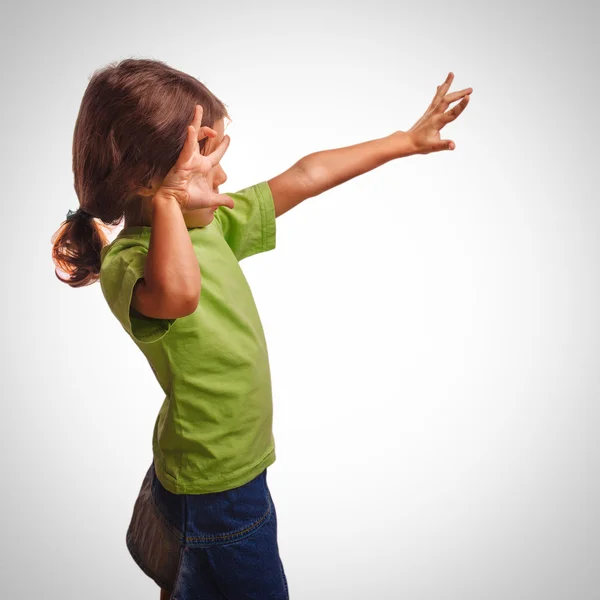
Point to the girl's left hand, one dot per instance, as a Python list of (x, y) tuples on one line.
[(425, 133)]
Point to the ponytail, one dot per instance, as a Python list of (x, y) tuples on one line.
[(76, 248)]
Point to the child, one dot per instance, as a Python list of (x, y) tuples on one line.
[(147, 148)]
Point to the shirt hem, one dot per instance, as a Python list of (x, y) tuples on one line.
[(220, 486), (269, 225)]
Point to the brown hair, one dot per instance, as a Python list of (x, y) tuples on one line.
[(131, 127)]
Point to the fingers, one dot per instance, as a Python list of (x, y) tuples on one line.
[(450, 98), (198, 117), (203, 131), (223, 200), (441, 100), (196, 132), (206, 132), (188, 147), (442, 89), (454, 112), (191, 140), (217, 154), (446, 85)]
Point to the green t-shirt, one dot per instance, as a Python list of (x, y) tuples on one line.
[(213, 431)]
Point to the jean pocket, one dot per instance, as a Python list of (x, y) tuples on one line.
[(228, 516)]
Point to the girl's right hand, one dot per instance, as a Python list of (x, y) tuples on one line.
[(187, 181)]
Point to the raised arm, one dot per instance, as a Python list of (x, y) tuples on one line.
[(171, 284), (320, 171), (172, 280)]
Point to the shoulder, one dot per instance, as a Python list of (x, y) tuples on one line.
[(121, 256), (123, 246)]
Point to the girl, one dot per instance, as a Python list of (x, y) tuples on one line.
[(147, 148)]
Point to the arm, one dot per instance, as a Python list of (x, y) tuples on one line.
[(171, 284), (320, 171)]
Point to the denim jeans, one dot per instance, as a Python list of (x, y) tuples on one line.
[(216, 546)]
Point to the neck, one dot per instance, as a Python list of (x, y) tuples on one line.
[(139, 213)]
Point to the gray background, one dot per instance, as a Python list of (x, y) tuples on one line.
[(432, 325)]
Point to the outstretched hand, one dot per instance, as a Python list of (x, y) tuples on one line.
[(425, 133)]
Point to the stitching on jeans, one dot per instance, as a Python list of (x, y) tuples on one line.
[(224, 536)]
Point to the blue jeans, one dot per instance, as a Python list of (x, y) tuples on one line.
[(216, 546)]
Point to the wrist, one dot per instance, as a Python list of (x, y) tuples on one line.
[(164, 198), (402, 144), (164, 204)]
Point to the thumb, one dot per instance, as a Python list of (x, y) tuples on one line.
[(223, 200), (445, 145)]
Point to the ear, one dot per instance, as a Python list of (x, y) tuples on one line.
[(145, 191), (148, 191)]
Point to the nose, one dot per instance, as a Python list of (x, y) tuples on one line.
[(220, 175), (217, 176)]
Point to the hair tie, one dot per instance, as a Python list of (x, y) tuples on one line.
[(79, 212)]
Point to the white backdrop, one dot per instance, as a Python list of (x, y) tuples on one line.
[(432, 325)]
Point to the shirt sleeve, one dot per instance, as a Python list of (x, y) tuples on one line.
[(121, 269), (249, 227)]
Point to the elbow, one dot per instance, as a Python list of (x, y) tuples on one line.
[(181, 300), (189, 303), (175, 304)]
